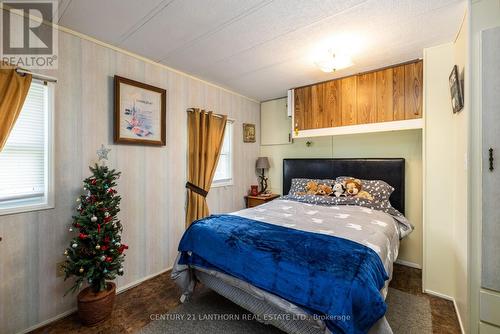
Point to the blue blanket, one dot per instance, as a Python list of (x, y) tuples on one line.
[(332, 277)]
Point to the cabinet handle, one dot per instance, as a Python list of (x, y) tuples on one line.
[(491, 159)]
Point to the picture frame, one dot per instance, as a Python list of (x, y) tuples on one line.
[(139, 113), (248, 133), (457, 98)]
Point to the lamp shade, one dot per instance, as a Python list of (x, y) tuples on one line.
[(262, 163)]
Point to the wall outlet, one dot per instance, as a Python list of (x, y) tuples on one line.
[(60, 269)]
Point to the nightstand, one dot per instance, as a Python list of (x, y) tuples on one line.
[(252, 201)]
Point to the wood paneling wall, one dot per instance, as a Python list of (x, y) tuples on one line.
[(151, 184), (389, 94)]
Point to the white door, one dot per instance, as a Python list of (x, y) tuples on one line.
[(490, 263)]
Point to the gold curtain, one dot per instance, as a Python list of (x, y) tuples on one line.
[(13, 90), (205, 138)]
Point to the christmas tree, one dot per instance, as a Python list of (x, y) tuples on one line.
[(95, 253)]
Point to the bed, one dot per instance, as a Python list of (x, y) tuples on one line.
[(303, 263)]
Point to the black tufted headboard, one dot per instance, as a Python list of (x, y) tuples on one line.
[(390, 170)]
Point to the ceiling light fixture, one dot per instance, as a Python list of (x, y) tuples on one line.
[(332, 62)]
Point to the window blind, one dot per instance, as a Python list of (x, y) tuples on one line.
[(223, 173), (23, 159)]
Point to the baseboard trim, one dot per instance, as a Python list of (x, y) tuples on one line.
[(459, 317), (439, 294), (118, 291), (48, 321), (141, 280), (408, 264)]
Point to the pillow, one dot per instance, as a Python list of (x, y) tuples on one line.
[(380, 190), (299, 184)]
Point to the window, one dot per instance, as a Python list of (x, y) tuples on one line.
[(224, 172), (25, 164)]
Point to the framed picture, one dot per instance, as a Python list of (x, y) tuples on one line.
[(140, 113), (248, 133), (457, 98)]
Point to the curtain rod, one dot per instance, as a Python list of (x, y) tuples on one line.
[(216, 115), (36, 75)]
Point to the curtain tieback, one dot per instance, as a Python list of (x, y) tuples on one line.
[(196, 189)]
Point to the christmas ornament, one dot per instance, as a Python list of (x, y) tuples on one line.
[(120, 270), (102, 152), (105, 271), (98, 247), (93, 219), (66, 252), (82, 236), (117, 244), (78, 199), (103, 258), (106, 214), (71, 229), (74, 245), (109, 259), (81, 270)]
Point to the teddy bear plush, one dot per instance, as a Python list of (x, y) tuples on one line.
[(338, 189), (354, 187), (324, 190), (311, 188)]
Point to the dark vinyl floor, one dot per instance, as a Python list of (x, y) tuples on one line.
[(158, 295)]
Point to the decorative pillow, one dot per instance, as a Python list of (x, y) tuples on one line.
[(299, 185), (380, 190)]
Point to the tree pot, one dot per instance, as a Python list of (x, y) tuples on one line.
[(94, 308)]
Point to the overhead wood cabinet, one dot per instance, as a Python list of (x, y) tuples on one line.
[(386, 99)]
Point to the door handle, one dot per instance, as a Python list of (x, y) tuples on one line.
[(491, 159)]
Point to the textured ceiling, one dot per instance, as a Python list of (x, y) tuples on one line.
[(260, 48)]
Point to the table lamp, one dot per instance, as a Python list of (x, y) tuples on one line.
[(262, 164)]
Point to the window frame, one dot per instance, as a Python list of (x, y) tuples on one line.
[(227, 182), (47, 201)]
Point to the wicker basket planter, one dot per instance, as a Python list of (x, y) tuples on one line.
[(94, 308)]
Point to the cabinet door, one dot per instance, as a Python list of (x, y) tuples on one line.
[(303, 109), (385, 95), (348, 101), (413, 90), (490, 261), (366, 98), (333, 106), (320, 118), (398, 93), (275, 125)]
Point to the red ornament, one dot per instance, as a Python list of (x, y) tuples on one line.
[(108, 219), (106, 239), (103, 248), (109, 259), (122, 248), (93, 181), (83, 236), (98, 228)]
